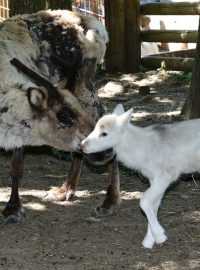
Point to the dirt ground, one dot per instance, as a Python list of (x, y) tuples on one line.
[(62, 235)]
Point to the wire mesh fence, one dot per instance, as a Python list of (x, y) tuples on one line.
[(90, 7)]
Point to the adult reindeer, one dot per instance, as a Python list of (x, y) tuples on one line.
[(64, 48)]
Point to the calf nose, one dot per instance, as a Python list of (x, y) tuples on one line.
[(83, 145)]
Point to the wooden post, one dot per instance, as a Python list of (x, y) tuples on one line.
[(115, 24), (132, 35), (122, 23)]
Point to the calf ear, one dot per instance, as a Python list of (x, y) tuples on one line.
[(119, 109), (37, 98), (125, 118)]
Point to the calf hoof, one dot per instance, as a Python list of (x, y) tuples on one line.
[(161, 239), (148, 243), (13, 214), (101, 212)]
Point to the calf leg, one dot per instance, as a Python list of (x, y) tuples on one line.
[(149, 203), (67, 190), (149, 239), (13, 211), (113, 197)]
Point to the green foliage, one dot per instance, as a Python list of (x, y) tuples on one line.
[(143, 69), (162, 70), (185, 75)]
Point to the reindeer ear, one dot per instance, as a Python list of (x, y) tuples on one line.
[(125, 118), (37, 98), (119, 109)]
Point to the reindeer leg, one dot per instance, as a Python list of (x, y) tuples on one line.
[(73, 177), (67, 190), (13, 211), (113, 197)]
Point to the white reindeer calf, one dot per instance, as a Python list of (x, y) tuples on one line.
[(160, 152)]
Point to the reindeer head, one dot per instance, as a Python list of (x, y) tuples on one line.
[(57, 117)]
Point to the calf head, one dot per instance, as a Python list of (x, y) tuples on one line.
[(108, 131)]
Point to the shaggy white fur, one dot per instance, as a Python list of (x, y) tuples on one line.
[(161, 153)]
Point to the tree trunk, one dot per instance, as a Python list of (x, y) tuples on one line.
[(30, 6), (61, 4), (191, 108)]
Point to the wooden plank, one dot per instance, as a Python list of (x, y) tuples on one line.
[(170, 63), (132, 35), (181, 8), (179, 36), (115, 24), (188, 53)]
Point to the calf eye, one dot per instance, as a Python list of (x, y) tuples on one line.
[(66, 116), (103, 134)]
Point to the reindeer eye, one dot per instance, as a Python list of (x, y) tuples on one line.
[(103, 134), (66, 116)]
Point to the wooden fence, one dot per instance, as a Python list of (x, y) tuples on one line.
[(122, 23), (124, 53), (4, 9), (122, 19), (182, 60)]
